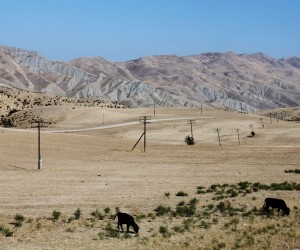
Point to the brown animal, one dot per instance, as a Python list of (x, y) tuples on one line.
[(276, 203), (127, 219)]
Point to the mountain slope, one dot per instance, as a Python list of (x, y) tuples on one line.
[(248, 82)]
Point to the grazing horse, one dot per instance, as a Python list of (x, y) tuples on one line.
[(127, 219), (276, 203)]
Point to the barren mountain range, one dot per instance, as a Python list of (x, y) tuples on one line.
[(247, 81)]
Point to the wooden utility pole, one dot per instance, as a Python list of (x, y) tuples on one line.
[(154, 109), (201, 108), (238, 134), (144, 120), (261, 120), (270, 117), (218, 131), (251, 126), (39, 147), (39, 125), (190, 122)]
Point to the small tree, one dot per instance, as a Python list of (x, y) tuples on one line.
[(189, 140)]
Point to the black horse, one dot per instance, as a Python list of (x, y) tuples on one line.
[(276, 203), (127, 219)]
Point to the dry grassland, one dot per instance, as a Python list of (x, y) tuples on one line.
[(96, 170)]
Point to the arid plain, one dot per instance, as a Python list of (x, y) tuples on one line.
[(97, 169)]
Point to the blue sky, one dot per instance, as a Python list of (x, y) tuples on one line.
[(120, 30)]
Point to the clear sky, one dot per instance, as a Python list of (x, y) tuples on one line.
[(121, 30)]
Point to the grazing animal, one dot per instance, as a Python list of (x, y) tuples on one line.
[(127, 219), (276, 203)]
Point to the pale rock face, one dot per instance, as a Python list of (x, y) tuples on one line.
[(249, 82)]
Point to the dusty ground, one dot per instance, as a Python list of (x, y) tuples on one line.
[(97, 169)]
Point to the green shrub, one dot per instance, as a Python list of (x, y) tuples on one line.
[(167, 194), (181, 193), (55, 215), (193, 201), (162, 210), (234, 193), (19, 217), (77, 214), (106, 210), (244, 185), (204, 224), (178, 229), (111, 232), (164, 231), (295, 171), (210, 206), (6, 231), (187, 223), (152, 216), (97, 215), (186, 211), (200, 191), (18, 220), (215, 186), (38, 225), (189, 140), (181, 203), (234, 222)]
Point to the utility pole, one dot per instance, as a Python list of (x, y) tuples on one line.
[(270, 117), (201, 108), (218, 131), (251, 126), (39, 146), (261, 120), (238, 134), (39, 125), (144, 120), (190, 122), (154, 109)]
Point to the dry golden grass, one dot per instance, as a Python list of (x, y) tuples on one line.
[(97, 169)]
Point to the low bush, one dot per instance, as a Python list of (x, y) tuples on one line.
[(186, 210), (162, 210), (164, 231), (6, 231), (97, 215), (77, 214), (106, 210), (55, 215), (295, 171), (181, 193), (189, 140)]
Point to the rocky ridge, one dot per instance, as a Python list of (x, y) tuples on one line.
[(248, 82)]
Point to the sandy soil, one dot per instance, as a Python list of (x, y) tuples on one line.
[(97, 169)]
